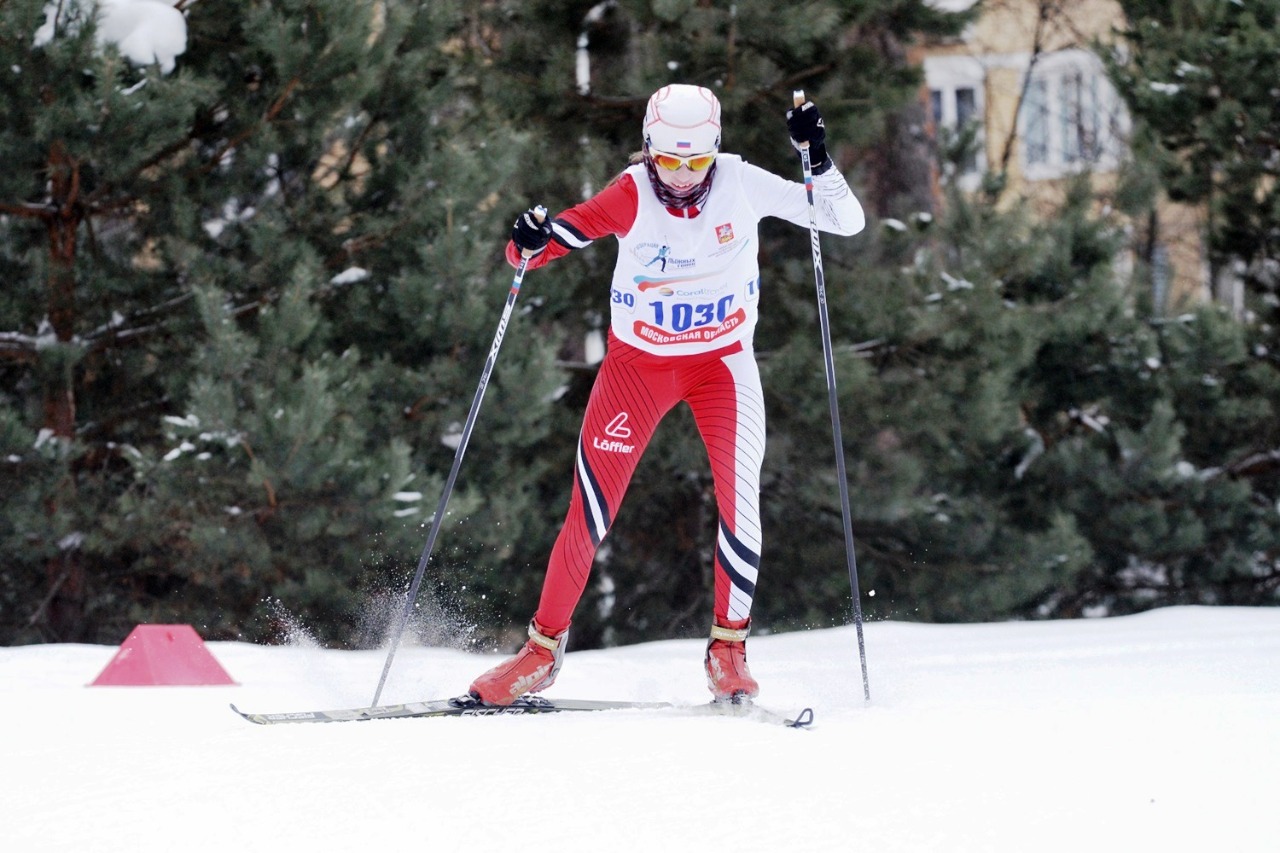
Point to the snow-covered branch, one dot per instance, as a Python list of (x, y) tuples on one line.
[(15, 346), (32, 211), (146, 32), (1255, 464)]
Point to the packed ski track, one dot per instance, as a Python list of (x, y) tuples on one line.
[(1159, 731)]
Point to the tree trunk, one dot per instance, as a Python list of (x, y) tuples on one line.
[(64, 613), (900, 170)]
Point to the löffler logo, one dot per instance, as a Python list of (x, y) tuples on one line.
[(617, 428)]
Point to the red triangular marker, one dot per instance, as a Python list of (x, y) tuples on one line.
[(162, 654)]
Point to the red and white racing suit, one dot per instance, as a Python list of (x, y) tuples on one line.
[(684, 303)]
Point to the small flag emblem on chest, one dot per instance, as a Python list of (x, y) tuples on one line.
[(724, 233)]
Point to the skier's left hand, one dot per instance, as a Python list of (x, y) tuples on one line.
[(805, 125)]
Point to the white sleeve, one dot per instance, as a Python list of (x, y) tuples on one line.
[(839, 211)]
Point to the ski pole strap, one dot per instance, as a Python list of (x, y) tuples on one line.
[(729, 635)]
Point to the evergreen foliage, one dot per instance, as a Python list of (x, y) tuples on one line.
[(247, 304), (1058, 453), (272, 316), (1199, 76)]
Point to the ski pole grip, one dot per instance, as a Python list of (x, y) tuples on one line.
[(797, 98), (540, 214)]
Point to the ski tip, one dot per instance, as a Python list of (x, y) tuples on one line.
[(803, 720), (740, 705), (253, 718)]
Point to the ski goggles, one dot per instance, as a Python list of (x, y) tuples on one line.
[(670, 162)]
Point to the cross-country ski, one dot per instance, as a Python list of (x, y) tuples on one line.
[(466, 706)]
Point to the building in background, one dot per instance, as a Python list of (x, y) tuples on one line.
[(1024, 84)]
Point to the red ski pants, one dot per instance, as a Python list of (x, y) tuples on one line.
[(632, 393)]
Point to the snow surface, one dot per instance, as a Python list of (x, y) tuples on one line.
[(1155, 732)]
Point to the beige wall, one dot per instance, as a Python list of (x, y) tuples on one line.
[(1056, 24)]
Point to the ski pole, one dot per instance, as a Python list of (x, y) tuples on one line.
[(829, 358), (540, 213)]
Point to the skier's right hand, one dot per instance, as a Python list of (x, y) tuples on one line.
[(532, 231)]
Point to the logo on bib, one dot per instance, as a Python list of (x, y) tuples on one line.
[(658, 257), (724, 233)]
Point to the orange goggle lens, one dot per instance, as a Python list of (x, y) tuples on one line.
[(670, 162)]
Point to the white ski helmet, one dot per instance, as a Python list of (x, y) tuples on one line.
[(682, 119)]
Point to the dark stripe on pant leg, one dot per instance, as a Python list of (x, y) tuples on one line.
[(744, 555), (592, 496)]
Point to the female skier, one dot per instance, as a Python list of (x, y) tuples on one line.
[(679, 331)]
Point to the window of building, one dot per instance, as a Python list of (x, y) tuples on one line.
[(1035, 123), (1071, 118), (956, 108), (957, 121)]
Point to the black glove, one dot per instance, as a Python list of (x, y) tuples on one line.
[(804, 123), (532, 231)]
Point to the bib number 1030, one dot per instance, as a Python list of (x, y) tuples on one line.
[(681, 316)]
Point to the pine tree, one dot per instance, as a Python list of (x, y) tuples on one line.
[(1198, 78), (249, 299), (1116, 474)]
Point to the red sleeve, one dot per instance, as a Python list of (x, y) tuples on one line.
[(611, 211)]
